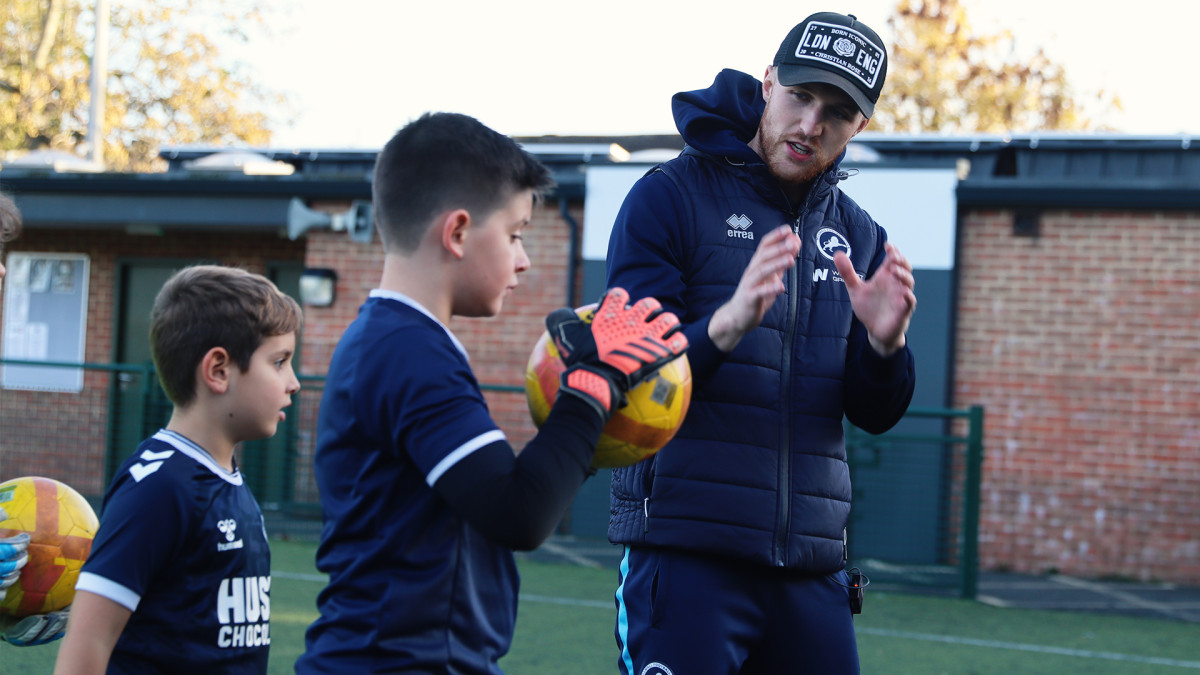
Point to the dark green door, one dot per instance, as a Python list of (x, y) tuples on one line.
[(268, 465), (139, 406)]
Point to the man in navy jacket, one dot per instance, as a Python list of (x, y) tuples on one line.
[(795, 307)]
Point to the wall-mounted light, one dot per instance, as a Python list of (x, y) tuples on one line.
[(358, 220), (317, 286)]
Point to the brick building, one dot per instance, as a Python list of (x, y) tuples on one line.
[(1058, 281)]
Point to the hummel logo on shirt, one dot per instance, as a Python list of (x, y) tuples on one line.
[(227, 527), (740, 225)]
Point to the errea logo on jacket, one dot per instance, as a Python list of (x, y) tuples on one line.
[(739, 225)]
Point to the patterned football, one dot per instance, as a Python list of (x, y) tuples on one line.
[(61, 526), (654, 411)]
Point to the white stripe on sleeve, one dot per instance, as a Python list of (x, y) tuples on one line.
[(107, 588), (462, 451)]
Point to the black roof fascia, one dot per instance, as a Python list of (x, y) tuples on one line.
[(190, 201), (570, 179), (1062, 194), (158, 202), (965, 145), (151, 212), (1088, 171), (187, 184)]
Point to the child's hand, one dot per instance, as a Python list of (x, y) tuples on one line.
[(31, 630), (12, 555), (37, 629), (622, 346)]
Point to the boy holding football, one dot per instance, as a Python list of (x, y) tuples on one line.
[(423, 498), (10, 226), (179, 577), (37, 629)]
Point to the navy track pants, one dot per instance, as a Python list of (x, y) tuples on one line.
[(680, 613)]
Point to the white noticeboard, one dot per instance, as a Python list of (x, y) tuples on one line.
[(45, 319), (606, 189), (916, 207)]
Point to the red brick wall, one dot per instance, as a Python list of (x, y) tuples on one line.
[(64, 435), (1083, 345)]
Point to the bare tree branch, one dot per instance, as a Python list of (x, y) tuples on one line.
[(49, 34)]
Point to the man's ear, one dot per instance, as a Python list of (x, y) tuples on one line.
[(216, 370), (767, 83), (454, 227), (861, 125)]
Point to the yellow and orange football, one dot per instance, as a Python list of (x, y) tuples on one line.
[(61, 526), (649, 419)]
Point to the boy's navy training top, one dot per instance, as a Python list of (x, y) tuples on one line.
[(412, 587), (182, 545)]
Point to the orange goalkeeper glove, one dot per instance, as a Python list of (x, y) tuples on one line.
[(621, 347)]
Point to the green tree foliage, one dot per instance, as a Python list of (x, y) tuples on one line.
[(167, 81), (946, 77)]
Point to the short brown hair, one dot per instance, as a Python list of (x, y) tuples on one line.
[(207, 306), (447, 161)]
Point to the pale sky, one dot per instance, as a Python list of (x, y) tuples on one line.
[(358, 70)]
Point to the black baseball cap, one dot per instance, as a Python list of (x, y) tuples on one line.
[(835, 49)]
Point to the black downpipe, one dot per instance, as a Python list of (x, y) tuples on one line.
[(572, 254)]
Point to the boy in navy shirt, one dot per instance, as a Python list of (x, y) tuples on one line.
[(37, 629), (423, 498), (179, 577)]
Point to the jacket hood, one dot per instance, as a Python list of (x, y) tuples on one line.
[(721, 120)]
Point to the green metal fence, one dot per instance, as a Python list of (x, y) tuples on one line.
[(916, 488), (916, 501), (82, 437)]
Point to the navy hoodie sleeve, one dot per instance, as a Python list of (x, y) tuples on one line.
[(878, 389), (645, 257)]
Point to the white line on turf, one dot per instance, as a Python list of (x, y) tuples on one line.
[(568, 554), (1127, 599), (1042, 649), (573, 602), (276, 574)]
